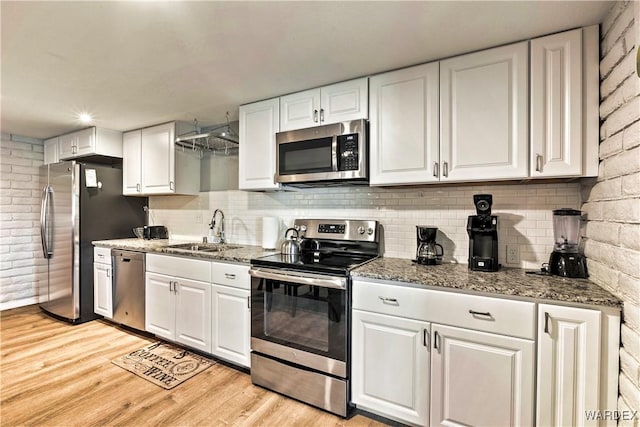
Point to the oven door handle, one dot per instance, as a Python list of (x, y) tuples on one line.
[(300, 278)]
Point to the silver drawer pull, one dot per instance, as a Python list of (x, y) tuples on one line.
[(230, 276), (391, 300), (480, 313)]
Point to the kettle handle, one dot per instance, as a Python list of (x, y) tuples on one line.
[(291, 229)]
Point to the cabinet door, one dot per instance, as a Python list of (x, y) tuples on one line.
[(231, 324), (67, 146), (160, 305), (300, 110), (556, 105), (259, 123), (484, 115), (193, 314), (131, 162), (85, 142), (390, 367), (568, 365), (51, 151), (404, 138), (102, 290), (158, 159), (344, 101), (480, 379)]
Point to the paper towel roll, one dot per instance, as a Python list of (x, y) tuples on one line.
[(270, 229)]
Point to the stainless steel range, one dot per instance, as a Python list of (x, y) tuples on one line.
[(300, 312)]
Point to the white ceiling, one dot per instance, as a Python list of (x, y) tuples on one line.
[(135, 64)]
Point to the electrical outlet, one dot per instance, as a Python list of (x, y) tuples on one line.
[(513, 254), (198, 218)]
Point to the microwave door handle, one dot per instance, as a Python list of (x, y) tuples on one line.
[(334, 153)]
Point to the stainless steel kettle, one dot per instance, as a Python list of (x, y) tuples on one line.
[(291, 246)]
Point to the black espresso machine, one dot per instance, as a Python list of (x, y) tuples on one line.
[(482, 229)]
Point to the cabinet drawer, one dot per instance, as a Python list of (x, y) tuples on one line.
[(102, 255), (489, 314), (234, 275), (395, 300), (193, 269)]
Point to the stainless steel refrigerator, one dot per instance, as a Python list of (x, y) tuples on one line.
[(80, 203)]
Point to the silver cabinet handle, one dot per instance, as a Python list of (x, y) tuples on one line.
[(249, 302), (170, 286), (436, 341), (230, 276), (480, 313), (425, 338), (321, 115), (138, 188), (315, 116), (546, 323), (171, 185), (445, 169), (391, 300), (108, 272), (538, 163), (436, 170)]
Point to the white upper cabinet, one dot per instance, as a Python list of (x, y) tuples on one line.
[(404, 133), (259, 123), (484, 115), (89, 142), (51, 154), (153, 165), (131, 162), (329, 104), (558, 76)]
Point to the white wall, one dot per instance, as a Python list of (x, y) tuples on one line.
[(524, 212), (612, 203), (20, 159)]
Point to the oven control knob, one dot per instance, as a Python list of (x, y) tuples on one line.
[(370, 231), (360, 230), (297, 227), (303, 228)]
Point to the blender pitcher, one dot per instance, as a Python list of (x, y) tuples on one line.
[(566, 230)]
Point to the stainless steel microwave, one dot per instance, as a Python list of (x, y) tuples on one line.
[(335, 153)]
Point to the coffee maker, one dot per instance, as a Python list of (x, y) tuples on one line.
[(565, 260), (427, 249), (482, 229)]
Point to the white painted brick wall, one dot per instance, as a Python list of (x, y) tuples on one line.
[(612, 203), (20, 159)]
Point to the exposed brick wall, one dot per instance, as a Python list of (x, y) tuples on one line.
[(20, 159), (612, 203)]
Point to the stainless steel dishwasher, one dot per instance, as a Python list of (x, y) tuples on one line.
[(128, 288)]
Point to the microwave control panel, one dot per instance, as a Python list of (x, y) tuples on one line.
[(348, 159)]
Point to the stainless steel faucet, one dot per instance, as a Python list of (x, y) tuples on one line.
[(219, 235)]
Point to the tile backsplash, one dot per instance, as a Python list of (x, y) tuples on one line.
[(524, 214)]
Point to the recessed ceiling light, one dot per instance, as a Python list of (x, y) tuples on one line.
[(85, 117)]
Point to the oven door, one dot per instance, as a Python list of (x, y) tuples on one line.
[(301, 318)]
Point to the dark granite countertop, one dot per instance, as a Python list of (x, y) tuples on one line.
[(243, 254), (508, 281)]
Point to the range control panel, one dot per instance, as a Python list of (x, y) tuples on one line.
[(349, 229)]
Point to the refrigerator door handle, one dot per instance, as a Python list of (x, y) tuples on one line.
[(44, 204), (45, 234)]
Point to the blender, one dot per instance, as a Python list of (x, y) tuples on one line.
[(565, 260)]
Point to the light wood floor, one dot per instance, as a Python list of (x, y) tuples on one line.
[(55, 374)]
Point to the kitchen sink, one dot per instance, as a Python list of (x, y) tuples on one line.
[(204, 247)]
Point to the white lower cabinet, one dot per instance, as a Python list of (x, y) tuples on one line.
[(568, 365), (102, 282), (178, 300), (391, 366), (479, 378), (231, 313)]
